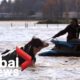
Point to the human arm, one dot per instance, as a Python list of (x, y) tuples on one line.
[(62, 32)]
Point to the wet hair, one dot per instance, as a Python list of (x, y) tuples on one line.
[(74, 19), (35, 42)]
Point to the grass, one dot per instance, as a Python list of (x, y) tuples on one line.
[(56, 21)]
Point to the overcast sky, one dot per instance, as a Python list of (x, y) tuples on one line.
[(0, 0), (7, 0)]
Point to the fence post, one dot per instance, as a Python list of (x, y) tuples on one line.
[(26, 25), (47, 25), (11, 24)]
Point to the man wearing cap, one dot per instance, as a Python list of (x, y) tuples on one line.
[(72, 29)]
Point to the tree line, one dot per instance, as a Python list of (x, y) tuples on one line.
[(49, 8)]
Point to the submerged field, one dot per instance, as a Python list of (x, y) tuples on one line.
[(14, 34)]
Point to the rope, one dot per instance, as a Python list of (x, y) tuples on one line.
[(48, 39)]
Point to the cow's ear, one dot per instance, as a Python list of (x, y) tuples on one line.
[(33, 37)]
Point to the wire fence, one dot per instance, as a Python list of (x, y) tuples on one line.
[(28, 24)]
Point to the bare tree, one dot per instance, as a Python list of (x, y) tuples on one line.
[(48, 8)]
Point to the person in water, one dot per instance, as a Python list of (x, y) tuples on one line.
[(72, 29), (32, 48)]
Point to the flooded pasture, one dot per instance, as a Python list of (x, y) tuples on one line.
[(46, 68)]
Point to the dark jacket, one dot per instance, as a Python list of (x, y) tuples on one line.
[(73, 32)]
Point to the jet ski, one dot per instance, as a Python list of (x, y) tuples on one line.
[(63, 48)]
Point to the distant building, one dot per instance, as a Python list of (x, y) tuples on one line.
[(3, 6), (5, 15), (6, 9), (37, 15), (71, 14)]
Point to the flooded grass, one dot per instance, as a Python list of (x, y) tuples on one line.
[(46, 68)]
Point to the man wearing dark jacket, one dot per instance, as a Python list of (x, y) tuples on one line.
[(72, 29)]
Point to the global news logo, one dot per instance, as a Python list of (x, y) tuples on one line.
[(11, 67)]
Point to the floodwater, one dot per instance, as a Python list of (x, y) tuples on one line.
[(14, 34)]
